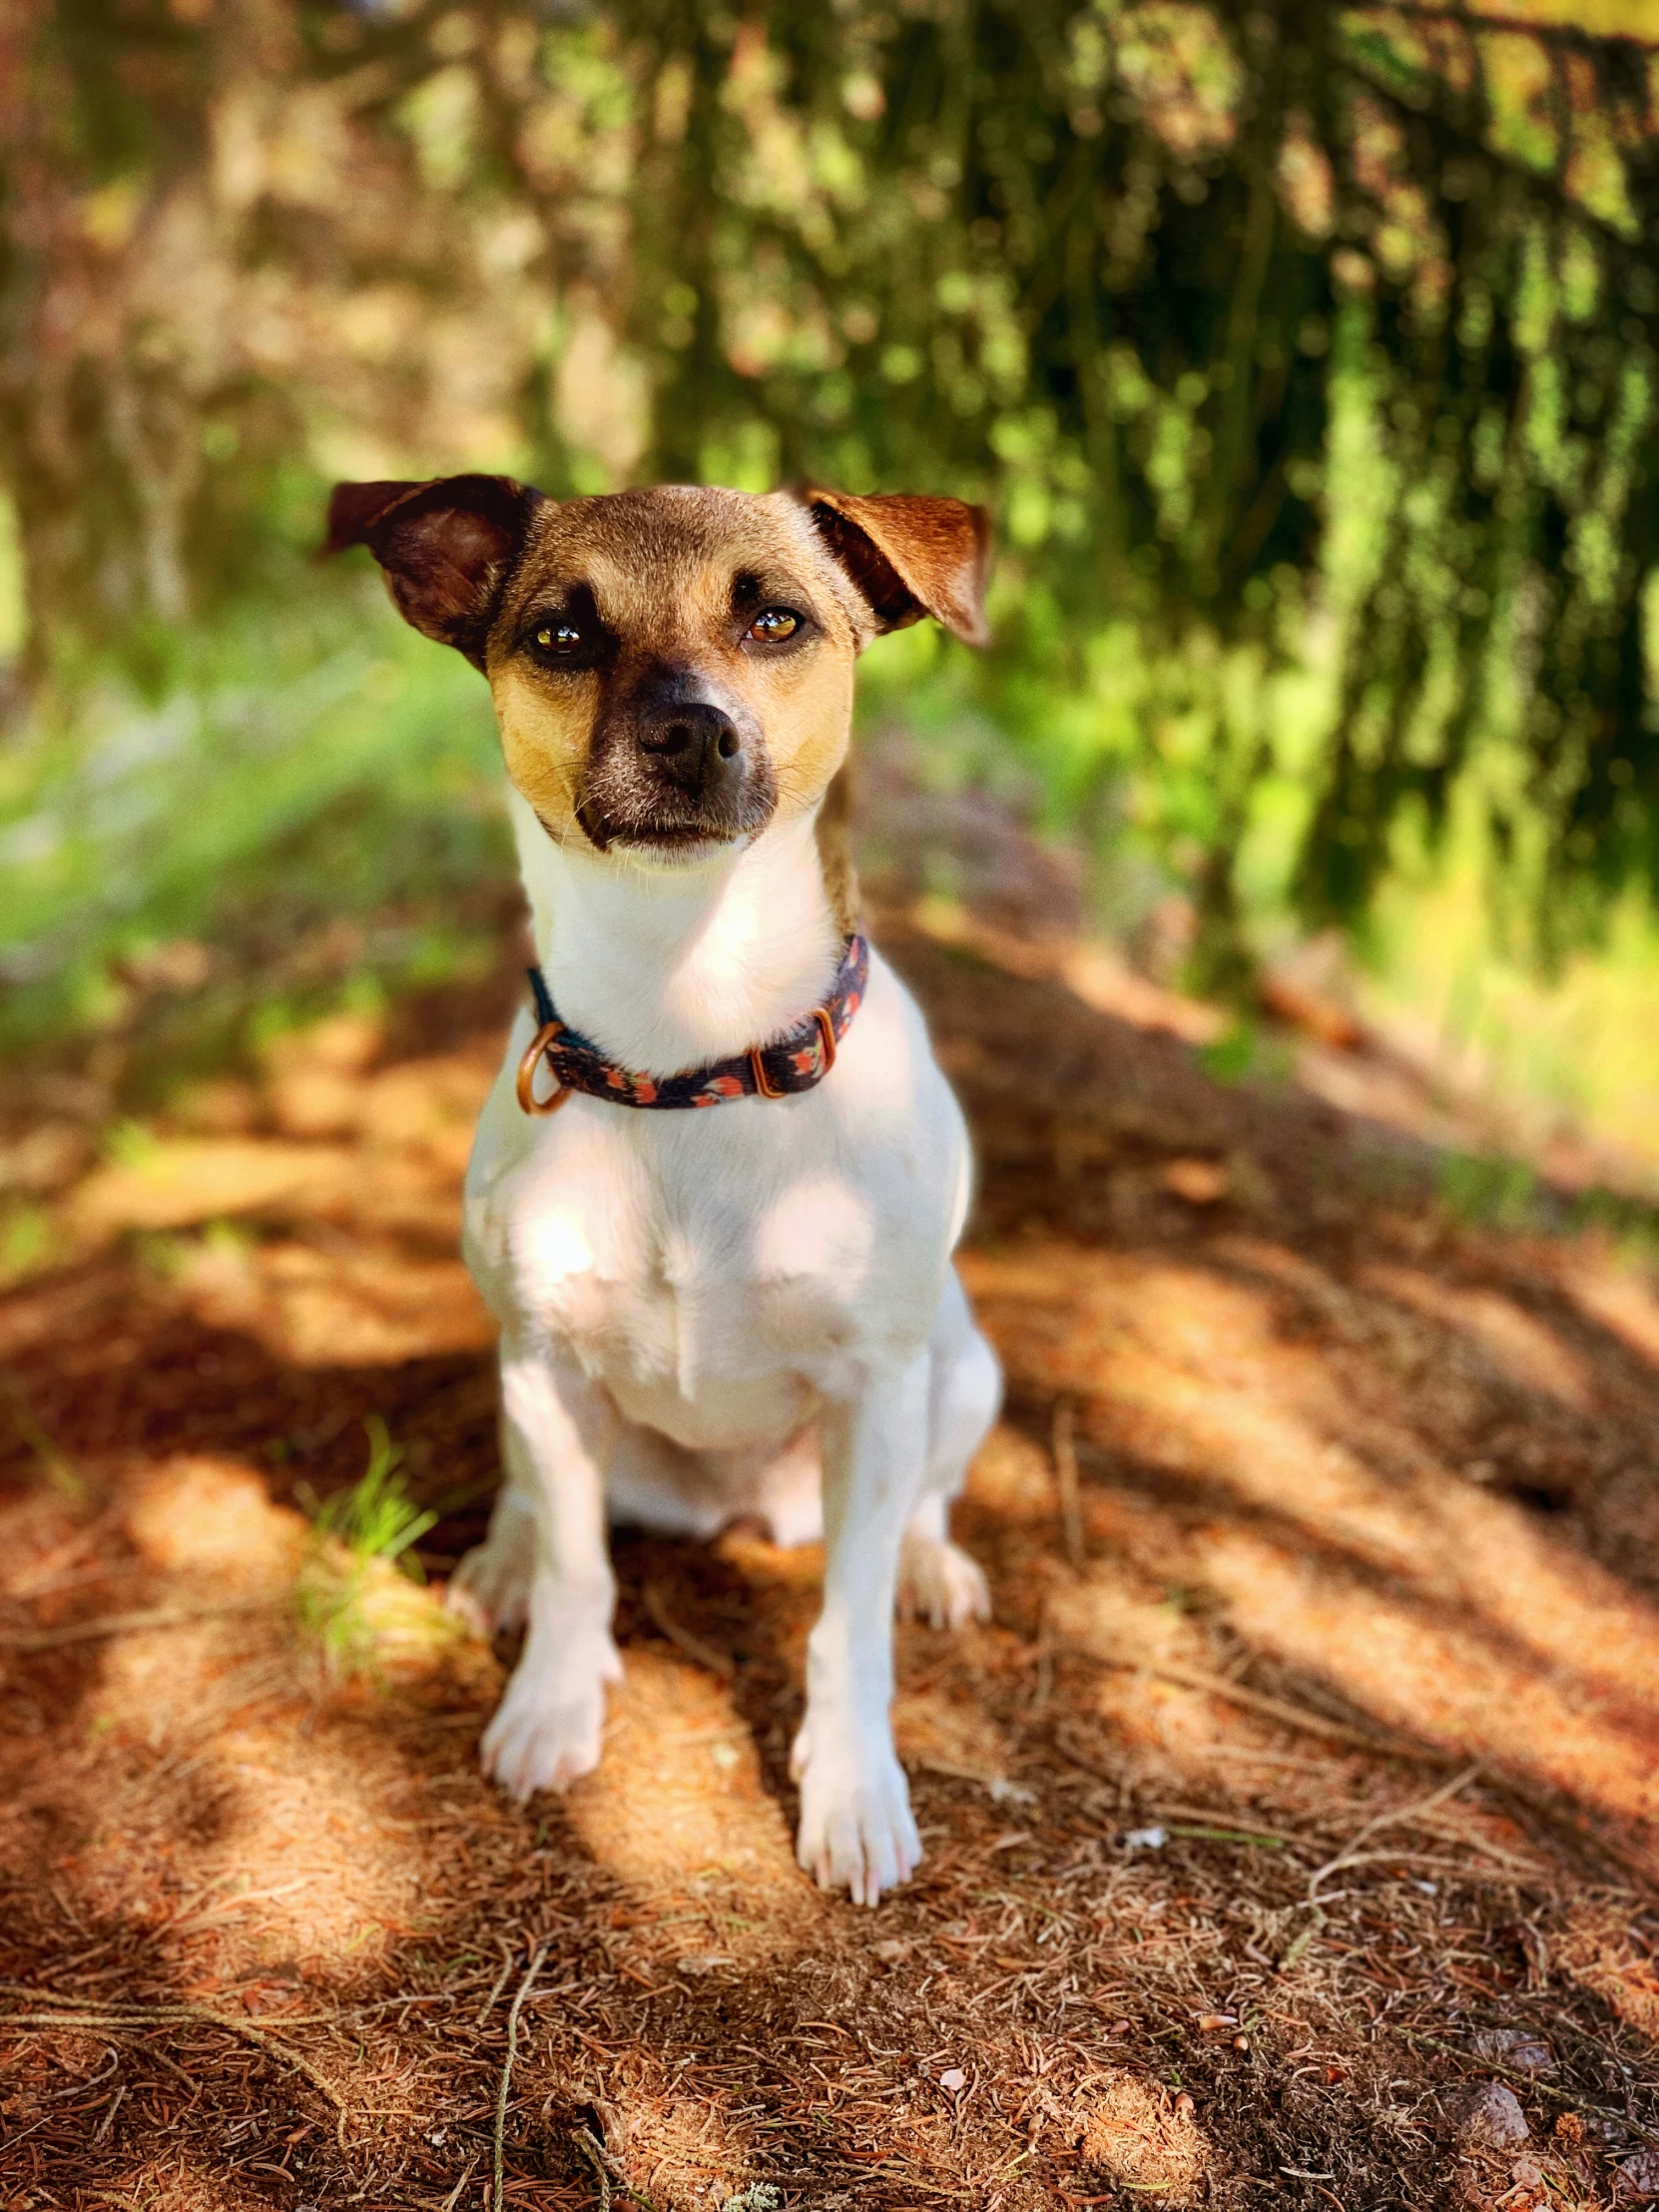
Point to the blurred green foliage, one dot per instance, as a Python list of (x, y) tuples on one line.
[(1306, 355), (313, 762)]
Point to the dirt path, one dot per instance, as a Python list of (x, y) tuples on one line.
[(1303, 1795)]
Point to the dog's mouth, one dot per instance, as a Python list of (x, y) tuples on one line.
[(667, 845), (655, 826)]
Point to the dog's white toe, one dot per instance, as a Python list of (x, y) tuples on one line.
[(549, 1726), (939, 1583), (856, 1831), (490, 1588)]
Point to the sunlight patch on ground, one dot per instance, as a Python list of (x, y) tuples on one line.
[(949, 1736), (1516, 1341), (679, 2142), (1436, 1677), (211, 1518), (1140, 2134), (188, 1180), (1442, 1608), (677, 1809), (390, 1288), (278, 1850), (1601, 1953), (327, 1145), (1618, 1297), (222, 1737), (316, 1308)]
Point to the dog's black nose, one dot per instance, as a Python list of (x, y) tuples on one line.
[(695, 747)]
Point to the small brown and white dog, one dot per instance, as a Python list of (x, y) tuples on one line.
[(748, 1308)]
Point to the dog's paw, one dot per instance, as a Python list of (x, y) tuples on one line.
[(856, 1831), (491, 1587), (548, 1727), (938, 1583)]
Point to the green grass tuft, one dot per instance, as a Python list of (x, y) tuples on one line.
[(355, 1536)]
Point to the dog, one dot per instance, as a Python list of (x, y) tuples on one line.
[(715, 1192)]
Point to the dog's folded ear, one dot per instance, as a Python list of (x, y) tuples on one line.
[(909, 557), (447, 547)]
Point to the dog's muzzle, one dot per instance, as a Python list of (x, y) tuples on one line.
[(671, 767)]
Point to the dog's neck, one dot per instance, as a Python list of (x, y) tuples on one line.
[(666, 969)]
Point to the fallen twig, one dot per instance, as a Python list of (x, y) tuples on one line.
[(590, 2151), (455, 2196), (496, 1988), (1378, 1743), (598, 2158), (119, 2039), (1211, 1821), (67, 2014), (125, 1624), (1208, 1834), (1399, 1815), (717, 1662), (523, 1990), (1529, 2081)]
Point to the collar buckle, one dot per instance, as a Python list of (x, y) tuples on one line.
[(827, 1044)]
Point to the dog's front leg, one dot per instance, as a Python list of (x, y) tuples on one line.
[(856, 1824), (556, 1428)]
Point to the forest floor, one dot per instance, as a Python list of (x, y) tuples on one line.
[(1291, 1831)]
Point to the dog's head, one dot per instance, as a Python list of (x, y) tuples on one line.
[(670, 668)]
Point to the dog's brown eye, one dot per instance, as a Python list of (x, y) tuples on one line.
[(559, 637), (773, 627)]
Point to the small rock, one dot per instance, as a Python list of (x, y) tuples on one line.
[(1514, 2046), (1637, 2178), (1487, 2114), (953, 2080), (1610, 2134), (1525, 2173), (1145, 1839), (893, 1951), (1004, 1791)]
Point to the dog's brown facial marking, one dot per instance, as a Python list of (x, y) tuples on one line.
[(671, 669)]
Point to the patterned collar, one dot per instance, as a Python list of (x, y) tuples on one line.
[(799, 1060)]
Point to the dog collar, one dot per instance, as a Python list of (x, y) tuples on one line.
[(798, 1061)]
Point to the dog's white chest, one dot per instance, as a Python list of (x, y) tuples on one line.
[(719, 1280)]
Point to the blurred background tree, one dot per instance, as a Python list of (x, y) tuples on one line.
[(1306, 355)]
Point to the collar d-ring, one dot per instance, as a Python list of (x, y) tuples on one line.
[(526, 1085)]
